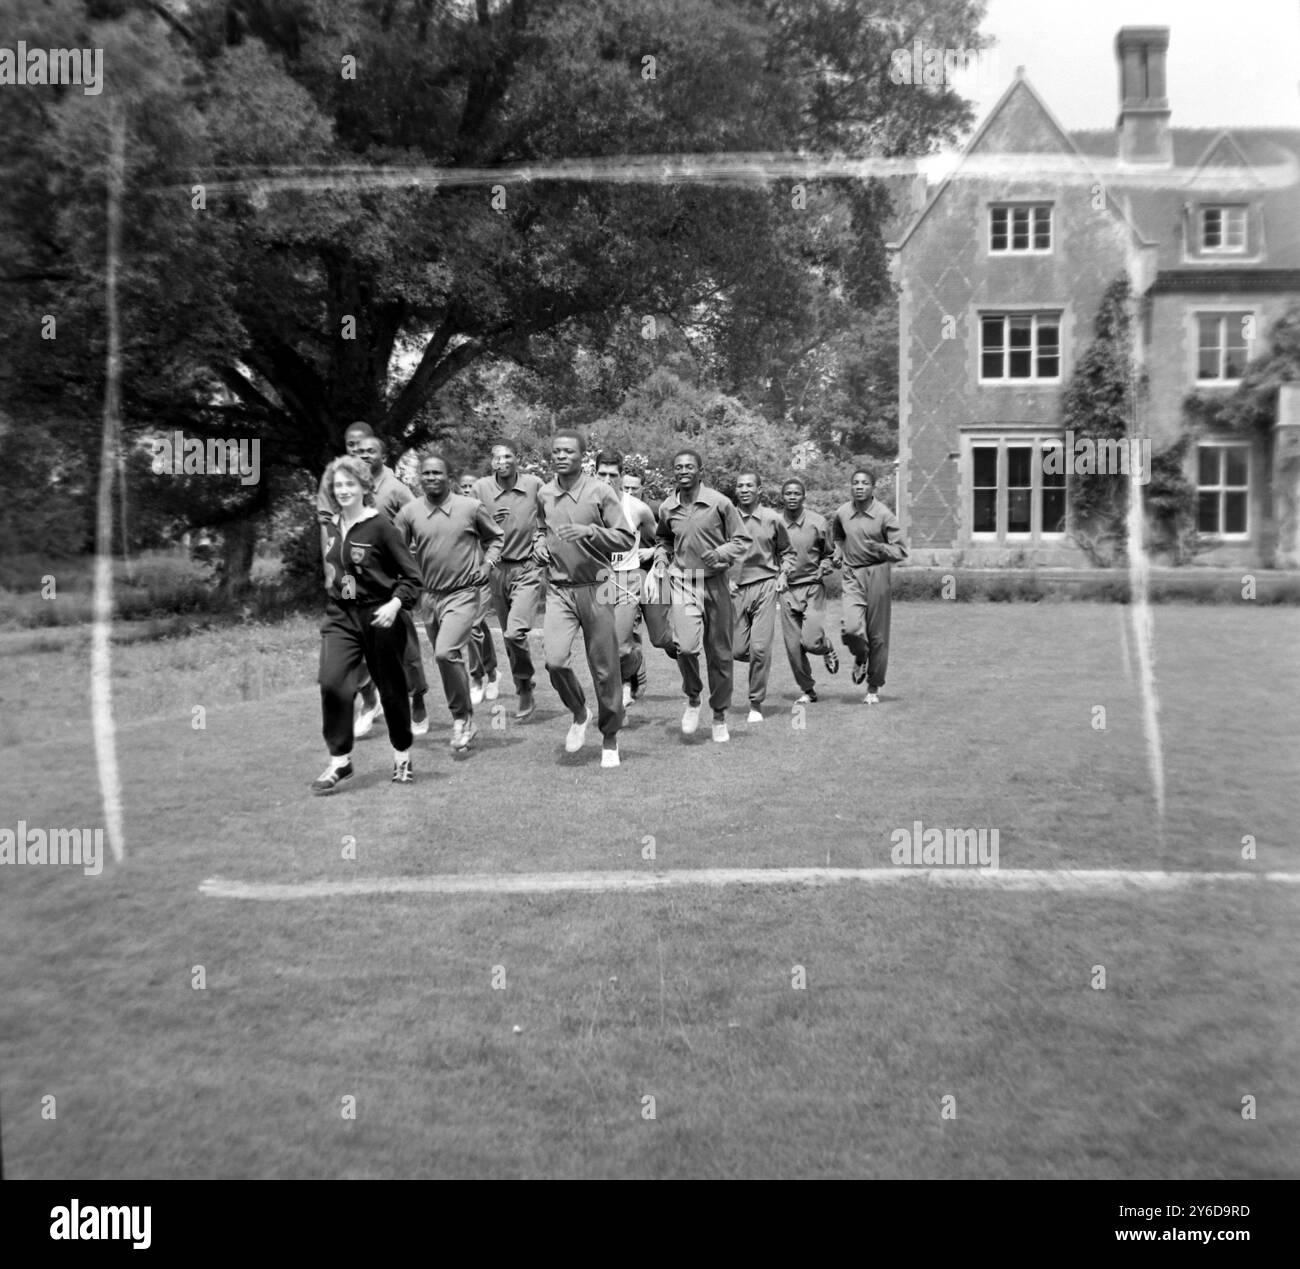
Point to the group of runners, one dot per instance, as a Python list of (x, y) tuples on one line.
[(703, 576)]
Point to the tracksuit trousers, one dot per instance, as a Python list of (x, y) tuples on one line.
[(702, 624), (350, 646), (452, 616), (754, 615), (516, 589), (803, 626), (867, 603), (572, 611)]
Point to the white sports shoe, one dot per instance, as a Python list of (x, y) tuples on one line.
[(462, 732), (419, 717), (690, 720), (492, 688), (627, 695), (577, 735), (720, 732), (609, 757), (755, 715), (871, 699), (365, 718), (804, 699), (476, 691)]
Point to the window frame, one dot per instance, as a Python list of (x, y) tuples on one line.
[(1038, 441), (1221, 314), (1221, 446), (1031, 207), (1224, 211), (1036, 316)]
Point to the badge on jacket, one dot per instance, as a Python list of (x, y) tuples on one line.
[(358, 553)]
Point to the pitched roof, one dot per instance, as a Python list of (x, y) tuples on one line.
[(1259, 165), (1064, 155)]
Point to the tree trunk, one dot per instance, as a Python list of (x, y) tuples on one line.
[(238, 545)]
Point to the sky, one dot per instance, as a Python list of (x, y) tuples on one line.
[(1228, 64)]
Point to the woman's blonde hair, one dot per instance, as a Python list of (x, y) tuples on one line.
[(359, 471)]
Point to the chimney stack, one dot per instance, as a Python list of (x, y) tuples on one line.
[(1144, 135)]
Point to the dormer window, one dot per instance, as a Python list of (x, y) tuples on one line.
[(1020, 229), (1223, 230)]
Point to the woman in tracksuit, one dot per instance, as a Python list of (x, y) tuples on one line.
[(369, 578)]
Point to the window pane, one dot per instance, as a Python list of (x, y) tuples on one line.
[(1207, 513), (1053, 510), (985, 465), (1234, 513), (1020, 459), (1049, 347), (1211, 235), (1020, 228), (991, 344), (1236, 460), (1042, 228), (1235, 228), (998, 229), (1020, 335), (986, 511), (1207, 363), (1234, 361), (1018, 510), (1207, 465), (1207, 331)]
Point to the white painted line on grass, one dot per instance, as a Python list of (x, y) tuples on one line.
[(559, 882)]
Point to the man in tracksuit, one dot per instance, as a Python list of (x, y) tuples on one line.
[(391, 495), (700, 536), (370, 579), (481, 651), (756, 583), (456, 544), (627, 576), (511, 499), (803, 602), (868, 540), (655, 609), (581, 527)]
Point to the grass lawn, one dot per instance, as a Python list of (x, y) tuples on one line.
[(913, 993)]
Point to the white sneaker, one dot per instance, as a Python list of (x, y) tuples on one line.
[(804, 699), (420, 725), (755, 715), (609, 757), (627, 695), (476, 691), (690, 720), (462, 732), (577, 735), (720, 732), (871, 699), (365, 720), (492, 688)]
